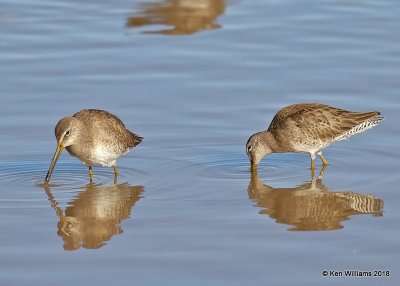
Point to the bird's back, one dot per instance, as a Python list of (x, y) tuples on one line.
[(109, 126), (319, 125)]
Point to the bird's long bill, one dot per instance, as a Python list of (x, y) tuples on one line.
[(53, 162)]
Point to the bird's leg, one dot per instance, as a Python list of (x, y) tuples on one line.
[(90, 174), (324, 162), (312, 156), (115, 174), (321, 173)]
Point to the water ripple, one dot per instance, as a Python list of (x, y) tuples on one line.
[(236, 166), (67, 175)]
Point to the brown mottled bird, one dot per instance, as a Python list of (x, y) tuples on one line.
[(96, 137), (308, 127)]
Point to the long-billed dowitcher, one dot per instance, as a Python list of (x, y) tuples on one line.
[(96, 137), (308, 127)]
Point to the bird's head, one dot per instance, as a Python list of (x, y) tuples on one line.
[(257, 147), (67, 133)]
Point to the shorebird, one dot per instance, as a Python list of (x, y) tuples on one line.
[(308, 127), (96, 137)]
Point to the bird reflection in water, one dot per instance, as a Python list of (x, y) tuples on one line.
[(93, 217), (184, 16), (310, 206)]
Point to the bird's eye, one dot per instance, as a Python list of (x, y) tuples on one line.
[(248, 148), (67, 133)]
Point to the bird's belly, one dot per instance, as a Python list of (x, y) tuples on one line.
[(100, 155), (309, 148), (105, 156)]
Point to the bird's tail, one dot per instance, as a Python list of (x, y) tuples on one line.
[(135, 139), (369, 119), (358, 122), (373, 117)]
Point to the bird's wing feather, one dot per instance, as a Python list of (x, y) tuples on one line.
[(111, 125), (318, 121)]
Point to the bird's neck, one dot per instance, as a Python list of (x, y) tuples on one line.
[(269, 138)]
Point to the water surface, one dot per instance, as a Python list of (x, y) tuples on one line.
[(196, 79)]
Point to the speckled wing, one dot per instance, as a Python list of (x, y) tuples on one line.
[(319, 124), (111, 126)]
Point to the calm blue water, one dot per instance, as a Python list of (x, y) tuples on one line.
[(196, 79)]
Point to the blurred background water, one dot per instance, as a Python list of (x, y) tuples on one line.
[(196, 79)]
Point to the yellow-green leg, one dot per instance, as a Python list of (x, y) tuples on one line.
[(115, 173), (323, 159), (321, 173), (312, 166), (90, 174)]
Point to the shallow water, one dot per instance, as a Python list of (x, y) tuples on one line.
[(196, 79)]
